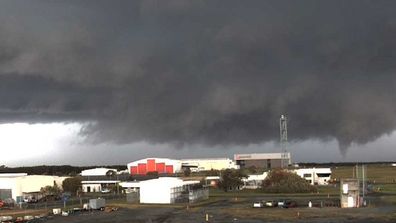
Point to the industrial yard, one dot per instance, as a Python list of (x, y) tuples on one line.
[(227, 209), (322, 205)]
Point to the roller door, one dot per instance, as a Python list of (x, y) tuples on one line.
[(5, 193)]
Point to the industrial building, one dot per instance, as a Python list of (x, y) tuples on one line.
[(19, 186), (197, 165), (315, 176), (159, 165), (98, 179), (263, 160)]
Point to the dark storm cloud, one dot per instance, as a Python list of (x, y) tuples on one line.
[(210, 72)]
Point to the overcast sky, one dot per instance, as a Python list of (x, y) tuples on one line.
[(108, 82)]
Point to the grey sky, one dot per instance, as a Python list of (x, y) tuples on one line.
[(202, 77)]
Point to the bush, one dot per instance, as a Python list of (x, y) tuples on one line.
[(283, 181)]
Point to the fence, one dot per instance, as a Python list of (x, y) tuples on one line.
[(68, 202)]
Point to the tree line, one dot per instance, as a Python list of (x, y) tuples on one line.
[(63, 170)]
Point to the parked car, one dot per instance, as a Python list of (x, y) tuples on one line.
[(30, 200), (271, 203), (7, 203), (105, 191), (289, 204), (281, 203), (258, 204)]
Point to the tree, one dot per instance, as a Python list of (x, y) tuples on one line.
[(186, 172), (231, 179), (111, 173), (50, 190), (72, 184), (283, 181)]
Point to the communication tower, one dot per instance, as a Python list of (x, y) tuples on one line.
[(283, 140)]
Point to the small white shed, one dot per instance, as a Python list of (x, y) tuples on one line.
[(164, 190)]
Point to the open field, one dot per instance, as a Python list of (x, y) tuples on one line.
[(376, 173)]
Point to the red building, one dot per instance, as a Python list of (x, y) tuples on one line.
[(159, 165)]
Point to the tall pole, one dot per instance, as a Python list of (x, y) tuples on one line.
[(364, 181), (283, 139)]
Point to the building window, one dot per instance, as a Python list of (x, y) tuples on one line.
[(307, 175), (268, 164)]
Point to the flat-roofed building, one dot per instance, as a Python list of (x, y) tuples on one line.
[(263, 160), (196, 165), (315, 176)]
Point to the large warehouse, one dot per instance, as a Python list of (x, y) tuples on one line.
[(159, 165), (19, 185), (263, 160), (196, 165)]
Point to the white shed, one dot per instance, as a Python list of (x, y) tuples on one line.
[(164, 190)]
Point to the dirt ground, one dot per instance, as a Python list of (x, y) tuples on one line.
[(230, 211), (220, 210)]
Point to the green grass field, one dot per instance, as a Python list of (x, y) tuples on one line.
[(375, 173)]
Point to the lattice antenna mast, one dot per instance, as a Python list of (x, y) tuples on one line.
[(283, 133)]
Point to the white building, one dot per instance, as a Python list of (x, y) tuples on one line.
[(263, 160), (315, 176), (196, 165), (92, 186), (98, 179), (20, 185), (254, 181)]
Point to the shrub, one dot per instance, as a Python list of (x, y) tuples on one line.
[(283, 181)]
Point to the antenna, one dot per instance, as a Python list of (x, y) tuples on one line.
[(283, 140)]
